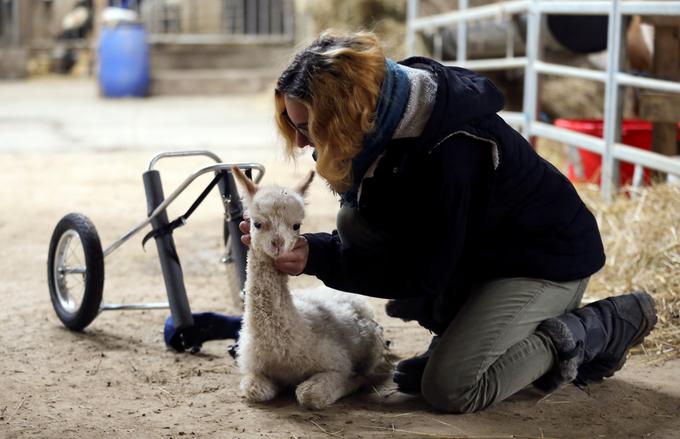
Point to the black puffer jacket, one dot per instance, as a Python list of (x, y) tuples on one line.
[(467, 201)]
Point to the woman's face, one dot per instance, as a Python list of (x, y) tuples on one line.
[(298, 118)]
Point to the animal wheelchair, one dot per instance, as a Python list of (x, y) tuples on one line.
[(75, 266)]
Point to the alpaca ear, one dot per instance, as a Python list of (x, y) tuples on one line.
[(248, 185), (302, 187)]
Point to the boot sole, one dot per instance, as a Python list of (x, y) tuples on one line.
[(650, 319)]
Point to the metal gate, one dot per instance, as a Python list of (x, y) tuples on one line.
[(217, 21), (610, 147), (9, 31)]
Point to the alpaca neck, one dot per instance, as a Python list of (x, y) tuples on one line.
[(269, 304)]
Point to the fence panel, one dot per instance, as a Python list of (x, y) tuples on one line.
[(609, 147)]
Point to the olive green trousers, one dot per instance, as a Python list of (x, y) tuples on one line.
[(491, 350)]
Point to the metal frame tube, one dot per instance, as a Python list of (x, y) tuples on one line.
[(612, 103), (513, 118), (161, 208), (438, 45), (133, 306), (574, 72), (648, 83), (609, 148), (622, 152), (510, 41), (167, 253), (16, 18), (648, 159), (233, 217), (461, 48), (478, 13), (188, 153), (650, 7), (490, 63), (411, 17), (530, 73), (584, 141), (591, 7)]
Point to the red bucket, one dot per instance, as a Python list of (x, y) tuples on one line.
[(635, 132)]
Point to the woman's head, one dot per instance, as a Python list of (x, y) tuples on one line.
[(327, 98)]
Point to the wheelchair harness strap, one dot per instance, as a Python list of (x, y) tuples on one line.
[(182, 220)]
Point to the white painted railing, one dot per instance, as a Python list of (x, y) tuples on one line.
[(609, 147)]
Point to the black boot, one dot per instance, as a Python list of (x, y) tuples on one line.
[(592, 342), (409, 373)]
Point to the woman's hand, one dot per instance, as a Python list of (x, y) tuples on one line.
[(244, 227), (292, 262)]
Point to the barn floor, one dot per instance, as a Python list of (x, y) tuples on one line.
[(117, 379)]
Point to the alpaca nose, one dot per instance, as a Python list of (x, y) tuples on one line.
[(277, 242)]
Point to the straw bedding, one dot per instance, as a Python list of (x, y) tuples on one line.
[(641, 233)]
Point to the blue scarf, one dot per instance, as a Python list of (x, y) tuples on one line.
[(394, 94)]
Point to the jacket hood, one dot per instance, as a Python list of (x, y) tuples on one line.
[(462, 95)]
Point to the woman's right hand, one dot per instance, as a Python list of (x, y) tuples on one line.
[(244, 227)]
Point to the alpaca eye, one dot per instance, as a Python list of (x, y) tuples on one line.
[(296, 226), (257, 224)]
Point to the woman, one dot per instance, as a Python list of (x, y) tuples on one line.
[(450, 213)]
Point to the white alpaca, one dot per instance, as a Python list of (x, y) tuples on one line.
[(321, 341)]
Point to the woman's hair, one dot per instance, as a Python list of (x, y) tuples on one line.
[(337, 77)]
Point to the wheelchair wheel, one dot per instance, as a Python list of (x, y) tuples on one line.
[(75, 271)]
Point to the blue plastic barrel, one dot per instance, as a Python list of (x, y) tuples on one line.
[(124, 60)]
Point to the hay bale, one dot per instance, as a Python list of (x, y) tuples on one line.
[(387, 18)]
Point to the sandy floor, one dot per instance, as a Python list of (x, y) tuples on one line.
[(117, 379)]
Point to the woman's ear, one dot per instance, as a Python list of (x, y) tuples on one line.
[(248, 185), (302, 187)]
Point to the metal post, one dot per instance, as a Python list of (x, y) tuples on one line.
[(288, 18), (510, 39), (16, 21), (612, 103), (263, 27), (172, 270), (234, 216), (251, 17), (411, 14), (438, 46), (461, 47), (530, 74), (277, 14)]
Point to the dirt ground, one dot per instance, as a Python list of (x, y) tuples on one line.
[(117, 379)]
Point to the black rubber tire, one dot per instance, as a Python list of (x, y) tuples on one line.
[(94, 276)]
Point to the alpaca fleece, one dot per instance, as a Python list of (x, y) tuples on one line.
[(322, 342)]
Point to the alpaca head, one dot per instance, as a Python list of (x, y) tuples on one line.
[(276, 214)]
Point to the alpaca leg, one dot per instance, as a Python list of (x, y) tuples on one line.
[(324, 388), (258, 388)]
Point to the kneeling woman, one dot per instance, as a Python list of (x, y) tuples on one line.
[(449, 212)]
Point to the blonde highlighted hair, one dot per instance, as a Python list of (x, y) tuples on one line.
[(338, 78)]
